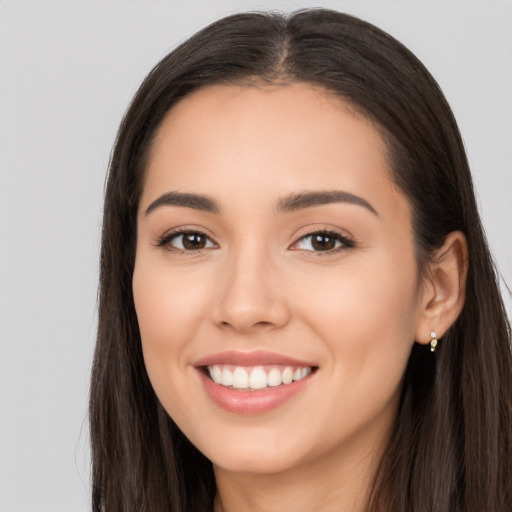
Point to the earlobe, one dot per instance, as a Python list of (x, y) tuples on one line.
[(444, 288)]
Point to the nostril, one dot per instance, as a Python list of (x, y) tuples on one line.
[(262, 323)]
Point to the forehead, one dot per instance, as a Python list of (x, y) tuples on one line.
[(267, 139), (259, 110)]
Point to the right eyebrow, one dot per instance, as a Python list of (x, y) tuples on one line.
[(312, 198), (195, 201)]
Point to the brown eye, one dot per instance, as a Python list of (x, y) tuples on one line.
[(187, 241), (193, 241), (321, 242)]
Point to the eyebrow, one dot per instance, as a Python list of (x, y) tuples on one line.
[(290, 203), (195, 201), (302, 200)]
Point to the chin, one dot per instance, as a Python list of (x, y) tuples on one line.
[(257, 451), (255, 463)]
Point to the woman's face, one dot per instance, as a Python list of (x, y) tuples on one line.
[(275, 281)]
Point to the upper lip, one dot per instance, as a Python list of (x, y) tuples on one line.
[(255, 358)]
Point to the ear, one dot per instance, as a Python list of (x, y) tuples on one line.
[(444, 288)]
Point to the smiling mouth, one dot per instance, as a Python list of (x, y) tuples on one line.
[(256, 378)]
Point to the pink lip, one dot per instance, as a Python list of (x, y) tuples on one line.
[(255, 358), (251, 402)]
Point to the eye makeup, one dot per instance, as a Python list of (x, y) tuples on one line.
[(192, 240)]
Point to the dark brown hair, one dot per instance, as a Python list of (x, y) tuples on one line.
[(451, 448)]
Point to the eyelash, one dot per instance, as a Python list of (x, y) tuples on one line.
[(346, 243), (165, 241)]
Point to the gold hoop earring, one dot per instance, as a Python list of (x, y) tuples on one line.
[(433, 342)]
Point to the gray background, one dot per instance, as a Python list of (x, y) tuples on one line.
[(67, 72)]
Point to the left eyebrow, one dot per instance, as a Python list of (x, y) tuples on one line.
[(302, 200), (194, 201)]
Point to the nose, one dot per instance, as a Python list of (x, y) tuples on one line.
[(251, 295)]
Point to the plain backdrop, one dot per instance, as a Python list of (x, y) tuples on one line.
[(67, 72)]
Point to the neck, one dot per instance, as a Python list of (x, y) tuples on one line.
[(340, 481)]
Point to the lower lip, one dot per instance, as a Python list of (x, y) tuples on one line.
[(252, 402)]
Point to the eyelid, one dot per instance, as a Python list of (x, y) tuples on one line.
[(164, 240), (346, 240)]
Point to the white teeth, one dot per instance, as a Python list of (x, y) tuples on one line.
[(259, 377), (215, 373), (287, 376), (240, 378), (274, 377), (227, 377)]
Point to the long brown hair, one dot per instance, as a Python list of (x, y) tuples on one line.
[(451, 448)]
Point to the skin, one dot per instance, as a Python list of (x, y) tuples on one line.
[(258, 284)]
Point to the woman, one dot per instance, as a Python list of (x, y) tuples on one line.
[(297, 304)]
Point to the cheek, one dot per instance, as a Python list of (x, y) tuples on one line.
[(168, 307), (359, 298), (167, 302), (366, 316)]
